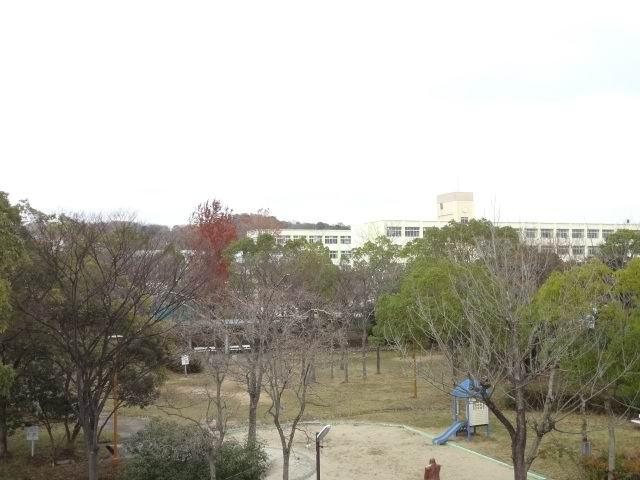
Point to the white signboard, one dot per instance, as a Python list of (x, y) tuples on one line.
[(185, 359), (32, 433)]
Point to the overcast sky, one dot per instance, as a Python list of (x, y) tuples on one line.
[(329, 110)]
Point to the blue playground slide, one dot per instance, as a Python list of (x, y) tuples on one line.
[(450, 432)]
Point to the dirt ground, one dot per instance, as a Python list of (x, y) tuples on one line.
[(363, 452)]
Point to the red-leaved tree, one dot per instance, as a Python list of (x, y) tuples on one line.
[(214, 231)]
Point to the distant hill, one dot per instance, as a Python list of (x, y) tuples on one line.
[(244, 222), (264, 221), (314, 226)]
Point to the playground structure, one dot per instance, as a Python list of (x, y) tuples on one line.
[(476, 412)]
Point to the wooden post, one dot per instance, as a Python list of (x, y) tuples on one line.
[(114, 458), (415, 371)]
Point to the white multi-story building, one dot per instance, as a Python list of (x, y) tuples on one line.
[(569, 240), (339, 242)]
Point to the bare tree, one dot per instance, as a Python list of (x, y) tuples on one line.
[(337, 331), (107, 287), (289, 366), (376, 269), (268, 282), (213, 423), (257, 297), (504, 340), (344, 304)]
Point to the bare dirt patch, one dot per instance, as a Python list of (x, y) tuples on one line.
[(363, 452), (235, 392)]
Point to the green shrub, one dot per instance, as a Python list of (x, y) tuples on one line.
[(165, 450), (241, 462)]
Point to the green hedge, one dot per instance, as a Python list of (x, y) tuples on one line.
[(165, 450)]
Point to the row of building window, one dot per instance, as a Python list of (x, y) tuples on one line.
[(564, 233), (411, 232), (345, 255), (327, 239), (414, 232), (564, 250)]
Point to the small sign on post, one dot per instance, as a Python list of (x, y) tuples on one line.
[(32, 435), (185, 362)]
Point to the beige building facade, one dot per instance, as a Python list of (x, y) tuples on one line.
[(457, 206), (571, 241)]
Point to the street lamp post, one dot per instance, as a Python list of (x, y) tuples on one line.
[(319, 436)]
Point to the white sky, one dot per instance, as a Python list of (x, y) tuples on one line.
[(329, 110)]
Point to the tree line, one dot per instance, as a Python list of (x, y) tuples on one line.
[(550, 338), (94, 307), (86, 300)]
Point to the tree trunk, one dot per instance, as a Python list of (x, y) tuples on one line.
[(519, 467), (90, 421), (254, 398), (519, 439), (364, 353), (254, 388), (331, 362), (583, 413), (52, 442), (71, 440), (91, 444), (378, 360), (346, 365), (584, 426), (4, 450), (285, 463), (611, 464), (311, 378), (212, 464)]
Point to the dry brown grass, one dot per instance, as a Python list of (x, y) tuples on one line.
[(381, 398)]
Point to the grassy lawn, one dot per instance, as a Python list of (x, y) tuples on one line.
[(379, 398)]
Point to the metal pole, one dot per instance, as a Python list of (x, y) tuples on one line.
[(317, 458), (185, 370), (33, 447)]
